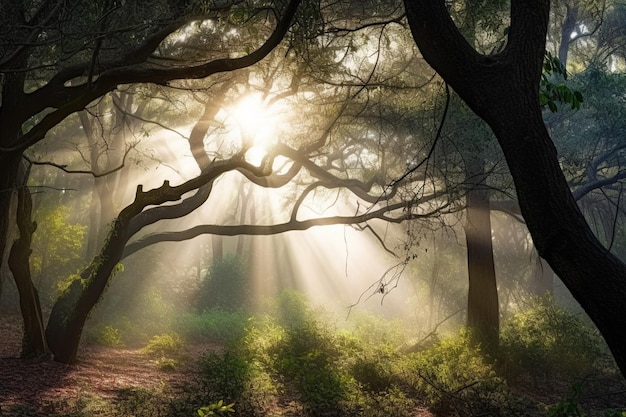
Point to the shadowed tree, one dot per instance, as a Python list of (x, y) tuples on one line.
[(54, 74), (503, 89), (61, 56)]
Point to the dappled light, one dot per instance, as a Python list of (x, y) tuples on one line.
[(288, 208)]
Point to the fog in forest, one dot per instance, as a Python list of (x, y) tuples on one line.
[(295, 208)]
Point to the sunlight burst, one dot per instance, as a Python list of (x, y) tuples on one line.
[(258, 125)]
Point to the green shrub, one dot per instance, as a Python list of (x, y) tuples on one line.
[(109, 336), (216, 409), (226, 287), (456, 378), (374, 330), (390, 403), (214, 325), (373, 369), (310, 368), (549, 339), (164, 346), (166, 364)]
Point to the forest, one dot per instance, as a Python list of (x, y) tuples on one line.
[(313, 208)]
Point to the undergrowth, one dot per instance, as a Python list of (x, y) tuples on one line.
[(291, 361)]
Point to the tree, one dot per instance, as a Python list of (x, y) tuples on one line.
[(503, 89), (483, 309), (53, 75)]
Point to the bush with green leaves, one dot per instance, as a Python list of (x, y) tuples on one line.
[(167, 349), (224, 375), (109, 336), (291, 357), (456, 378), (215, 409), (226, 286), (548, 339), (214, 325), (169, 344), (58, 247)]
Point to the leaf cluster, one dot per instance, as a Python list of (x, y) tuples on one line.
[(553, 93)]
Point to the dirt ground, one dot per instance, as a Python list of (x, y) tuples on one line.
[(101, 372)]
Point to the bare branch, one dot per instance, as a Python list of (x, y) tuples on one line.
[(64, 168)]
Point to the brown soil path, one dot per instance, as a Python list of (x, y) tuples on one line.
[(101, 372)]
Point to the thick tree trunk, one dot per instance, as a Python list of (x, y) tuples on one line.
[(70, 312), (33, 339), (595, 277), (503, 90), (483, 313)]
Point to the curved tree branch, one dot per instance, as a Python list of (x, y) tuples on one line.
[(69, 99)]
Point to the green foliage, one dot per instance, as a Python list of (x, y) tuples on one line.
[(148, 315), (216, 409), (292, 356), (109, 336), (371, 368), (455, 362), (548, 338), (375, 330), (57, 249), (166, 349), (551, 93), (213, 325), (323, 371), (226, 287), (166, 364), (224, 375), (456, 378), (164, 345)]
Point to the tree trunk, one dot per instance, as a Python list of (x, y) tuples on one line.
[(483, 317), (70, 312), (9, 164), (503, 90), (33, 338), (594, 276), (567, 28)]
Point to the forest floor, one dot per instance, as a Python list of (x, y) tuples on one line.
[(46, 387), (106, 375)]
